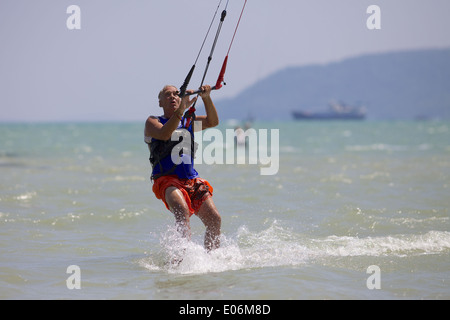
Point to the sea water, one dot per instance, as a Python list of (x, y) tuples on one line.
[(357, 210)]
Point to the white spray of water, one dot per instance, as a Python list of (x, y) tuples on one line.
[(277, 246)]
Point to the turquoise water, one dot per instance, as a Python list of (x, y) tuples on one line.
[(347, 196)]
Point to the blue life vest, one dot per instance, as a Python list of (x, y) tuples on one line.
[(161, 154)]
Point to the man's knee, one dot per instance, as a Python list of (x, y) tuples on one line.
[(217, 219), (174, 197), (214, 219), (209, 214)]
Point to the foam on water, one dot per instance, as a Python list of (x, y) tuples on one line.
[(277, 246), (347, 196)]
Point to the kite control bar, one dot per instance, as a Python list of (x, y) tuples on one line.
[(218, 83), (197, 92)]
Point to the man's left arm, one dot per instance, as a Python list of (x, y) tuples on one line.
[(212, 118)]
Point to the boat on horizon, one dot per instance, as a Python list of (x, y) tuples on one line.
[(337, 111)]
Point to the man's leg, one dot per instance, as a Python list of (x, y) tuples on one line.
[(178, 206), (210, 217)]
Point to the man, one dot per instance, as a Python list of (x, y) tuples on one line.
[(178, 185)]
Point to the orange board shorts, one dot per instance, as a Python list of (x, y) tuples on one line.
[(195, 191)]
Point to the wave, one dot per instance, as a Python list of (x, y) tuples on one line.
[(277, 246)]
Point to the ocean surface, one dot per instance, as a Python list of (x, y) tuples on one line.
[(356, 210)]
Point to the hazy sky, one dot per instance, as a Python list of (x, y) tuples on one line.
[(127, 50)]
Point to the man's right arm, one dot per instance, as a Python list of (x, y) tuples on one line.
[(155, 129)]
